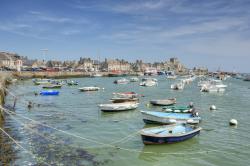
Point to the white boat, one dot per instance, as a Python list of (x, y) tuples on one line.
[(89, 88), (164, 102), (148, 83), (216, 83), (42, 81), (149, 79), (126, 94), (169, 118), (211, 88), (121, 81), (118, 106), (97, 75), (134, 79), (171, 76), (178, 86)]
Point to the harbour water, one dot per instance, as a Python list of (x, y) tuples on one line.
[(76, 132)]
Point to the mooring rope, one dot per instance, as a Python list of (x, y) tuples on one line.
[(121, 148), (118, 141)]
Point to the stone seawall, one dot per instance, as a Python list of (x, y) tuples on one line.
[(28, 75)]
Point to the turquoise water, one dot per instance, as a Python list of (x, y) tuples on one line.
[(89, 137)]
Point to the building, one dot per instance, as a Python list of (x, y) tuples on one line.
[(11, 61), (174, 65), (116, 65), (139, 66), (86, 64), (39, 64), (200, 70)]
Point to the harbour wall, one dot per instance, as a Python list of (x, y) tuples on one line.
[(29, 75)]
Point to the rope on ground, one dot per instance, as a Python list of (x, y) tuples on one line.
[(117, 147), (46, 137), (20, 146), (125, 139)]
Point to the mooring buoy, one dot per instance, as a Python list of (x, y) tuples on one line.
[(233, 122)]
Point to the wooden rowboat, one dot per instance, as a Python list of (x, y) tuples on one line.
[(164, 102), (168, 134)]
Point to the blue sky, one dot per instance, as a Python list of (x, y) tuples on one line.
[(214, 34)]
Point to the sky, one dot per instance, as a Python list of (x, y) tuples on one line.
[(202, 33)]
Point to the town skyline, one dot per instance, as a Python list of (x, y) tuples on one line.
[(213, 34)]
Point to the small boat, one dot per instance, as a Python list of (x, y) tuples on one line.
[(42, 81), (171, 76), (211, 88), (49, 92), (97, 75), (134, 79), (178, 108), (124, 99), (121, 81), (163, 102), (149, 79), (247, 78), (115, 107), (169, 118), (89, 88), (71, 82), (178, 86), (126, 94), (52, 86), (169, 133), (148, 83)]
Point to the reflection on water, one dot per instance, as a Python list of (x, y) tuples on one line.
[(91, 137)]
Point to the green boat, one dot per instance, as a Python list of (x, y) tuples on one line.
[(181, 108), (52, 86)]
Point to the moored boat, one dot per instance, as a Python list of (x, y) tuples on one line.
[(169, 133), (211, 88), (49, 92), (52, 86), (42, 81), (121, 81), (181, 108), (171, 76), (178, 86), (125, 94), (89, 88), (148, 83), (116, 107), (72, 82), (134, 79), (169, 118), (163, 102), (124, 99)]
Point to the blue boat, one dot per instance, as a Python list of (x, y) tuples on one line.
[(169, 117), (168, 134), (49, 92)]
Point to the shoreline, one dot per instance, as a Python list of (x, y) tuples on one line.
[(58, 75)]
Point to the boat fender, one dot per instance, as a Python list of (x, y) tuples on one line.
[(177, 111)]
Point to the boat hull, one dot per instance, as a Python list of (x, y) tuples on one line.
[(162, 102), (47, 93), (117, 108), (153, 119), (167, 140)]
